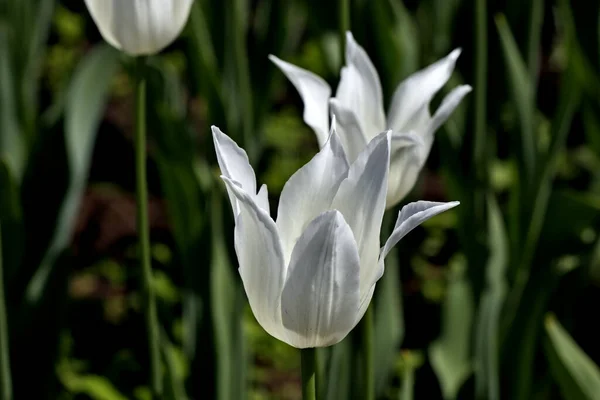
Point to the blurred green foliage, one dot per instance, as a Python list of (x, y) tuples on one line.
[(470, 305)]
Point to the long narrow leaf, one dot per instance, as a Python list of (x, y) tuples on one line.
[(522, 95), (487, 373), (450, 355), (87, 99), (577, 375), (389, 323)]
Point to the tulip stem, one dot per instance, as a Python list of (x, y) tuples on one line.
[(309, 376), (5, 380), (144, 229), (344, 25), (367, 335)]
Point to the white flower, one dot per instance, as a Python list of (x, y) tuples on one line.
[(358, 106), (310, 274), (140, 27)]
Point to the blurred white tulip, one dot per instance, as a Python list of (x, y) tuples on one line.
[(358, 106), (140, 27), (310, 274)]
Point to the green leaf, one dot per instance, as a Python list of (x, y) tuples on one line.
[(12, 142), (93, 386), (487, 374), (338, 381), (396, 42), (12, 225), (450, 353), (227, 304), (88, 94), (410, 363), (176, 370), (522, 96), (591, 123), (577, 376), (389, 323)]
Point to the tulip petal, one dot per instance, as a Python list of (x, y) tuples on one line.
[(411, 216), (405, 165), (262, 198), (361, 199), (360, 90), (314, 92), (260, 260), (320, 298), (348, 130), (415, 93), (234, 164), (310, 191), (449, 104), (139, 26)]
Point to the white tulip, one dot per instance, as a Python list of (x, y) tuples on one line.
[(140, 27), (358, 105), (310, 274)]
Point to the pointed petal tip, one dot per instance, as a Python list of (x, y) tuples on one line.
[(454, 54), (333, 126), (217, 132), (284, 66), (275, 60), (464, 89)]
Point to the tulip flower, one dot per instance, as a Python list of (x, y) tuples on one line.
[(140, 27), (358, 105), (310, 273)]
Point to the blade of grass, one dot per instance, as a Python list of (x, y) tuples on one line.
[(480, 86), (522, 95), (487, 374), (5, 375), (12, 143), (569, 100), (533, 40), (450, 354), (226, 313), (241, 92), (88, 95), (577, 375), (389, 319)]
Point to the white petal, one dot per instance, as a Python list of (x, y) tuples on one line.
[(449, 104), (361, 199), (411, 216), (262, 198), (315, 93), (405, 165), (234, 164), (139, 26), (260, 259), (310, 191), (348, 130), (320, 298), (360, 90), (415, 93)]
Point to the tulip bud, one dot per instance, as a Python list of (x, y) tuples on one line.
[(139, 27)]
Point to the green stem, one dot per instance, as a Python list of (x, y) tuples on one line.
[(480, 86), (243, 88), (144, 229), (309, 376), (533, 42), (5, 380), (344, 26), (367, 326)]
